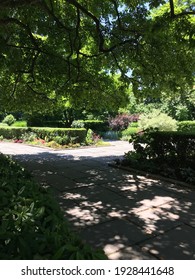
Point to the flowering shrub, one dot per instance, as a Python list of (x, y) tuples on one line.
[(157, 120), (122, 121)]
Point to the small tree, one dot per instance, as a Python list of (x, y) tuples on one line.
[(9, 120), (122, 121)]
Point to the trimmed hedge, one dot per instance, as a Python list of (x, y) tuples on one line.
[(188, 126), (95, 125), (13, 132), (170, 154), (166, 144), (74, 135), (32, 225), (180, 145)]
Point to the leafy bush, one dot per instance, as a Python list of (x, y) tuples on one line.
[(92, 137), (78, 124), (62, 140), (157, 120), (9, 120), (129, 131), (96, 125), (188, 126), (20, 124), (134, 124), (31, 223), (122, 121), (13, 132), (181, 112), (165, 144), (29, 136), (171, 154), (52, 144), (50, 133), (59, 124)]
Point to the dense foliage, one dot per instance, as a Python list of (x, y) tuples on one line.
[(157, 120), (188, 126), (84, 54), (9, 120), (95, 125), (31, 223), (169, 153)]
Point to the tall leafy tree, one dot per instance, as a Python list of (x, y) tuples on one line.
[(53, 50)]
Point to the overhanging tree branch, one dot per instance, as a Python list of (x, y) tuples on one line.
[(184, 13)]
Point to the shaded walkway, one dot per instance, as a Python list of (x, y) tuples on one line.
[(129, 216)]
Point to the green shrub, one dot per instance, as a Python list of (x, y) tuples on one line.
[(78, 124), (20, 124), (39, 120), (29, 136), (165, 144), (13, 132), (89, 137), (62, 140), (31, 223), (59, 124), (9, 120), (129, 131), (158, 120), (188, 126), (45, 133), (49, 134), (134, 124), (3, 124), (96, 125)]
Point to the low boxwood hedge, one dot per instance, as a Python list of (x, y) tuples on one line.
[(76, 135), (32, 225)]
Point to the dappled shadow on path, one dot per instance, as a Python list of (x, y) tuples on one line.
[(128, 215)]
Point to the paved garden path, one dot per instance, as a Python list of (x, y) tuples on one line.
[(129, 216)]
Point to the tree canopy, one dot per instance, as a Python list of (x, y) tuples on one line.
[(68, 50)]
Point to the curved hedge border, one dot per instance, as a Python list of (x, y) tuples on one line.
[(32, 225), (79, 134)]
